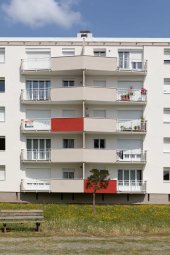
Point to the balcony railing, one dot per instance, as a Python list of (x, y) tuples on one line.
[(131, 125), (131, 156), (131, 186), (35, 185), (36, 155), (36, 125), (36, 94), (130, 64), (132, 95)]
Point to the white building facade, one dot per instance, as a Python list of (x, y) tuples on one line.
[(70, 105)]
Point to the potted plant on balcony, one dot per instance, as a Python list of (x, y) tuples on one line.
[(143, 91), (96, 181)]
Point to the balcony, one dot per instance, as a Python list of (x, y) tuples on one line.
[(36, 125), (126, 156), (67, 186), (36, 95), (99, 125), (71, 64), (131, 126), (67, 124), (31, 185), (88, 93), (132, 95), (36, 155), (130, 186), (78, 155), (63, 186), (111, 188)]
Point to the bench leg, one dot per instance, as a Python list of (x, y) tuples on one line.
[(4, 225), (37, 227)]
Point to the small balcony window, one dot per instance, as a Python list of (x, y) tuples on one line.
[(68, 143), (2, 173), (68, 51), (99, 52), (68, 173), (99, 143), (68, 83)]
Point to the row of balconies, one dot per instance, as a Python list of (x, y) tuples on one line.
[(73, 94), (108, 65), (79, 186), (77, 155), (84, 124)]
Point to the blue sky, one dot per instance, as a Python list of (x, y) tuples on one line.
[(105, 18)]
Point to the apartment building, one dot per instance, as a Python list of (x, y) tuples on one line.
[(69, 105)]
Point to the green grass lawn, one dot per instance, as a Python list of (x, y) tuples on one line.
[(111, 220), (72, 229)]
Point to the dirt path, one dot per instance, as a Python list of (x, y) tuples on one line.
[(157, 245)]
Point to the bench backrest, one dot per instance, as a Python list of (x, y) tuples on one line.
[(21, 214)]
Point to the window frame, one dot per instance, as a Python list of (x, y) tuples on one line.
[(2, 91), (68, 171)]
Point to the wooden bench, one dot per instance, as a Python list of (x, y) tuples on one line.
[(21, 216)]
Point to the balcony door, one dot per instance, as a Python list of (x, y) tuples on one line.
[(38, 149), (37, 89), (124, 59)]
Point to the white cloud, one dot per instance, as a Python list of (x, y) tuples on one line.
[(35, 13)]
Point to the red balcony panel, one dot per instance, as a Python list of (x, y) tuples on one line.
[(67, 124), (111, 188)]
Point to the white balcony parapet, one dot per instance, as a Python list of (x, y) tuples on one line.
[(36, 94), (36, 125), (36, 64), (131, 156), (35, 185), (131, 125), (130, 64), (132, 95), (131, 186), (36, 155)]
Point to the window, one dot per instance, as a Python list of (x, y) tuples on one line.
[(166, 87), (2, 86), (166, 115), (132, 59), (99, 83), (166, 174), (2, 55), (132, 175), (2, 143), (68, 173), (166, 145), (2, 114), (68, 83), (68, 143), (69, 113), (2, 173), (99, 114), (38, 89), (99, 143), (99, 52), (38, 58), (166, 56), (38, 149), (68, 51), (123, 59)]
